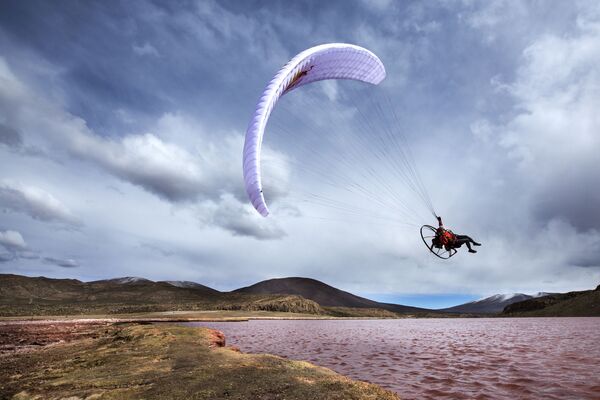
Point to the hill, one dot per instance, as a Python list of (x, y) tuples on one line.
[(17, 289), (21, 295), (192, 285), (321, 293), (572, 304), (492, 304)]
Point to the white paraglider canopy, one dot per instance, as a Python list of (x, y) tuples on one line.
[(327, 61)]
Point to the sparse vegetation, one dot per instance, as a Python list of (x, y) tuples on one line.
[(354, 312), (572, 304), (26, 297), (168, 361)]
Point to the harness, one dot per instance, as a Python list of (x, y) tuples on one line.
[(447, 237)]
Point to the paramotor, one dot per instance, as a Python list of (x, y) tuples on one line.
[(429, 236)]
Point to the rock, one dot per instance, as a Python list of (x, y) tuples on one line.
[(217, 339)]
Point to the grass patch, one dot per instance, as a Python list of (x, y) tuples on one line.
[(168, 361)]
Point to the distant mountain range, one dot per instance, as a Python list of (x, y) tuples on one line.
[(585, 303), (492, 304), (21, 295), (124, 280), (138, 280), (21, 289)]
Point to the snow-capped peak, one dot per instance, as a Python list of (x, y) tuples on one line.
[(129, 279), (500, 297), (184, 284)]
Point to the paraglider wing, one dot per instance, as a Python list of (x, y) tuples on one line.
[(327, 61)]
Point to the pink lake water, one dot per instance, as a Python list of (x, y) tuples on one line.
[(495, 358)]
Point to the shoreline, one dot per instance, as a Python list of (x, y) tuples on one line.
[(186, 316), (153, 318), (96, 358)]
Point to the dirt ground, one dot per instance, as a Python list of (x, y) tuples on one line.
[(22, 337)]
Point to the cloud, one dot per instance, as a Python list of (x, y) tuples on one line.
[(553, 132), (241, 220), (209, 176), (153, 103), (164, 169), (17, 249), (12, 240), (181, 163), (330, 88), (588, 257), (562, 242), (482, 130), (492, 18), (145, 50), (379, 5), (10, 136), (6, 257), (35, 202), (64, 263), (159, 249), (145, 160)]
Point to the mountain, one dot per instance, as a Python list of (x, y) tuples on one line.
[(321, 293), (125, 280), (134, 280), (572, 304), (22, 295), (492, 304), (192, 285), (18, 289)]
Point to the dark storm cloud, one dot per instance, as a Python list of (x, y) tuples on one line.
[(206, 58), (590, 258), (104, 68), (92, 42), (573, 199)]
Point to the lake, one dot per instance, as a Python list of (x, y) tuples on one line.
[(486, 358)]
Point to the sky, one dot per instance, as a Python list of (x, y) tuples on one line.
[(122, 126)]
